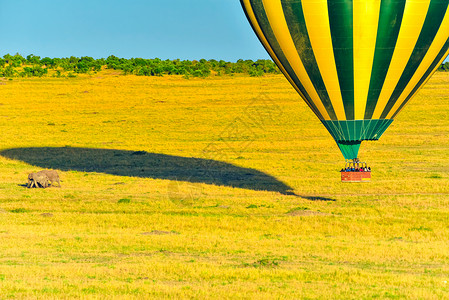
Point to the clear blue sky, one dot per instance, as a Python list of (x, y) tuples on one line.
[(168, 29)]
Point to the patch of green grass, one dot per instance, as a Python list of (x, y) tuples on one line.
[(252, 206), (298, 209), (420, 228), (19, 210), (435, 176), (124, 200)]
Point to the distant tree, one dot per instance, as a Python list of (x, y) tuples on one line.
[(73, 60), (18, 60), (57, 62), (157, 70), (87, 59), (7, 58), (256, 72), (9, 72), (112, 62), (96, 66), (66, 65), (33, 59), (48, 62), (35, 71), (444, 67), (26, 72), (82, 67)]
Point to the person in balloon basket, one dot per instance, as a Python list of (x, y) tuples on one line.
[(352, 169)]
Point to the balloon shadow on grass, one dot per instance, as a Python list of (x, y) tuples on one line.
[(148, 165)]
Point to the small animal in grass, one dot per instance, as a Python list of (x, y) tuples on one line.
[(52, 176), (37, 180)]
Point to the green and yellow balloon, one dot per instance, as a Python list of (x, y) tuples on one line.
[(356, 63)]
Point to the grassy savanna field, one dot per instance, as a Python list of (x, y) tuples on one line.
[(225, 187)]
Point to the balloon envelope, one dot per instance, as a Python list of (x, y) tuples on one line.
[(356, 63)]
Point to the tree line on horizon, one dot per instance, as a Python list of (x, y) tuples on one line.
[(35, 66)]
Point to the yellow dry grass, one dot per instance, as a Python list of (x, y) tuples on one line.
[(206, 211)]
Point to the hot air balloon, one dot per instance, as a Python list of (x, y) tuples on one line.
[(356, 63)]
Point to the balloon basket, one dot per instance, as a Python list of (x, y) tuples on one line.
[(355, 171), (355, 176)]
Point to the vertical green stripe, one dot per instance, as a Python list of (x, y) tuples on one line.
[(390, 19), (434, 17), (262, 19), (426, 75), (341, 26), (296, 22)]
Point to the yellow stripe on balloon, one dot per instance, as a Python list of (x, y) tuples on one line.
[(414, 15), (366, 20), (317, 22), (276, 17), (259, 32), (437, 44)]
